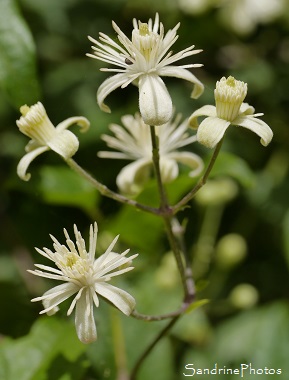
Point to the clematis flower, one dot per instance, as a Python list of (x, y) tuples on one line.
[(133, 142), (86, 278), (35, 124), (143, 60), (229, 109)]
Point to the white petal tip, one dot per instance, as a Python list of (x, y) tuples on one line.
[(104, 108), (197, 91), (25, 177)]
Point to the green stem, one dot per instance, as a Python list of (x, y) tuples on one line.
[(175, 248), (161, 317), (162, 333), (106, 191), (156, 161), (204, 247), (164, 205), (119, 346), (183, 202)]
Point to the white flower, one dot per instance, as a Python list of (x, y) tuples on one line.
[(86, 277), (35, 124), (143, 60), (133, 142), (230, 109)]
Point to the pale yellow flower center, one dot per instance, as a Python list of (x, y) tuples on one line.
[(145, 40), (75, 267), (229, 95), (24, 110), (35, 123), (71, 260), (143, 29)]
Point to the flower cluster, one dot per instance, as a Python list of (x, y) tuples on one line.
[(143, 61)]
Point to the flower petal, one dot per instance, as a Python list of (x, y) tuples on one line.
[(169, 169), (65, 143), (246, 109), (133, 176), (179, 72), (118, 297), (211, 131), (109, 85), (26, 161), (256, 125), (155, 102), (55, 296), (207, 110), (84, 318), (93, 230), (79, 120), (192, 160)]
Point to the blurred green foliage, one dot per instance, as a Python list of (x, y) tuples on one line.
[(42, 57)]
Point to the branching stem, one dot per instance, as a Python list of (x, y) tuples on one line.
[(106, 191)]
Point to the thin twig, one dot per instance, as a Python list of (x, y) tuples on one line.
[(161, 317), (107, 192), (162, 333), (182, 203)]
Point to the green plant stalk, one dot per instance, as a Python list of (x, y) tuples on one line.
[(207, 238), (150, 318), (119, 346), (190, 195), (164, 205), (105, 191)]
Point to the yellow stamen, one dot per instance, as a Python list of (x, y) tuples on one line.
[(143, 29), (71, 260), (229, 95), (24, 110), (231, 81)]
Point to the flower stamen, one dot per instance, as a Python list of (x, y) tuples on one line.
[(229, 95)]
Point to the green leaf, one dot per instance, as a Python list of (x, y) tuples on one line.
[(196, 305), (262, 337), (50, 347), (17, 59), (60, 185), (193, 328), (132, 233), (259, 336), (121, 342), (228, 164)]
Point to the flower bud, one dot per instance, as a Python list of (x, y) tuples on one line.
[(244, 296), (231, 250)]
